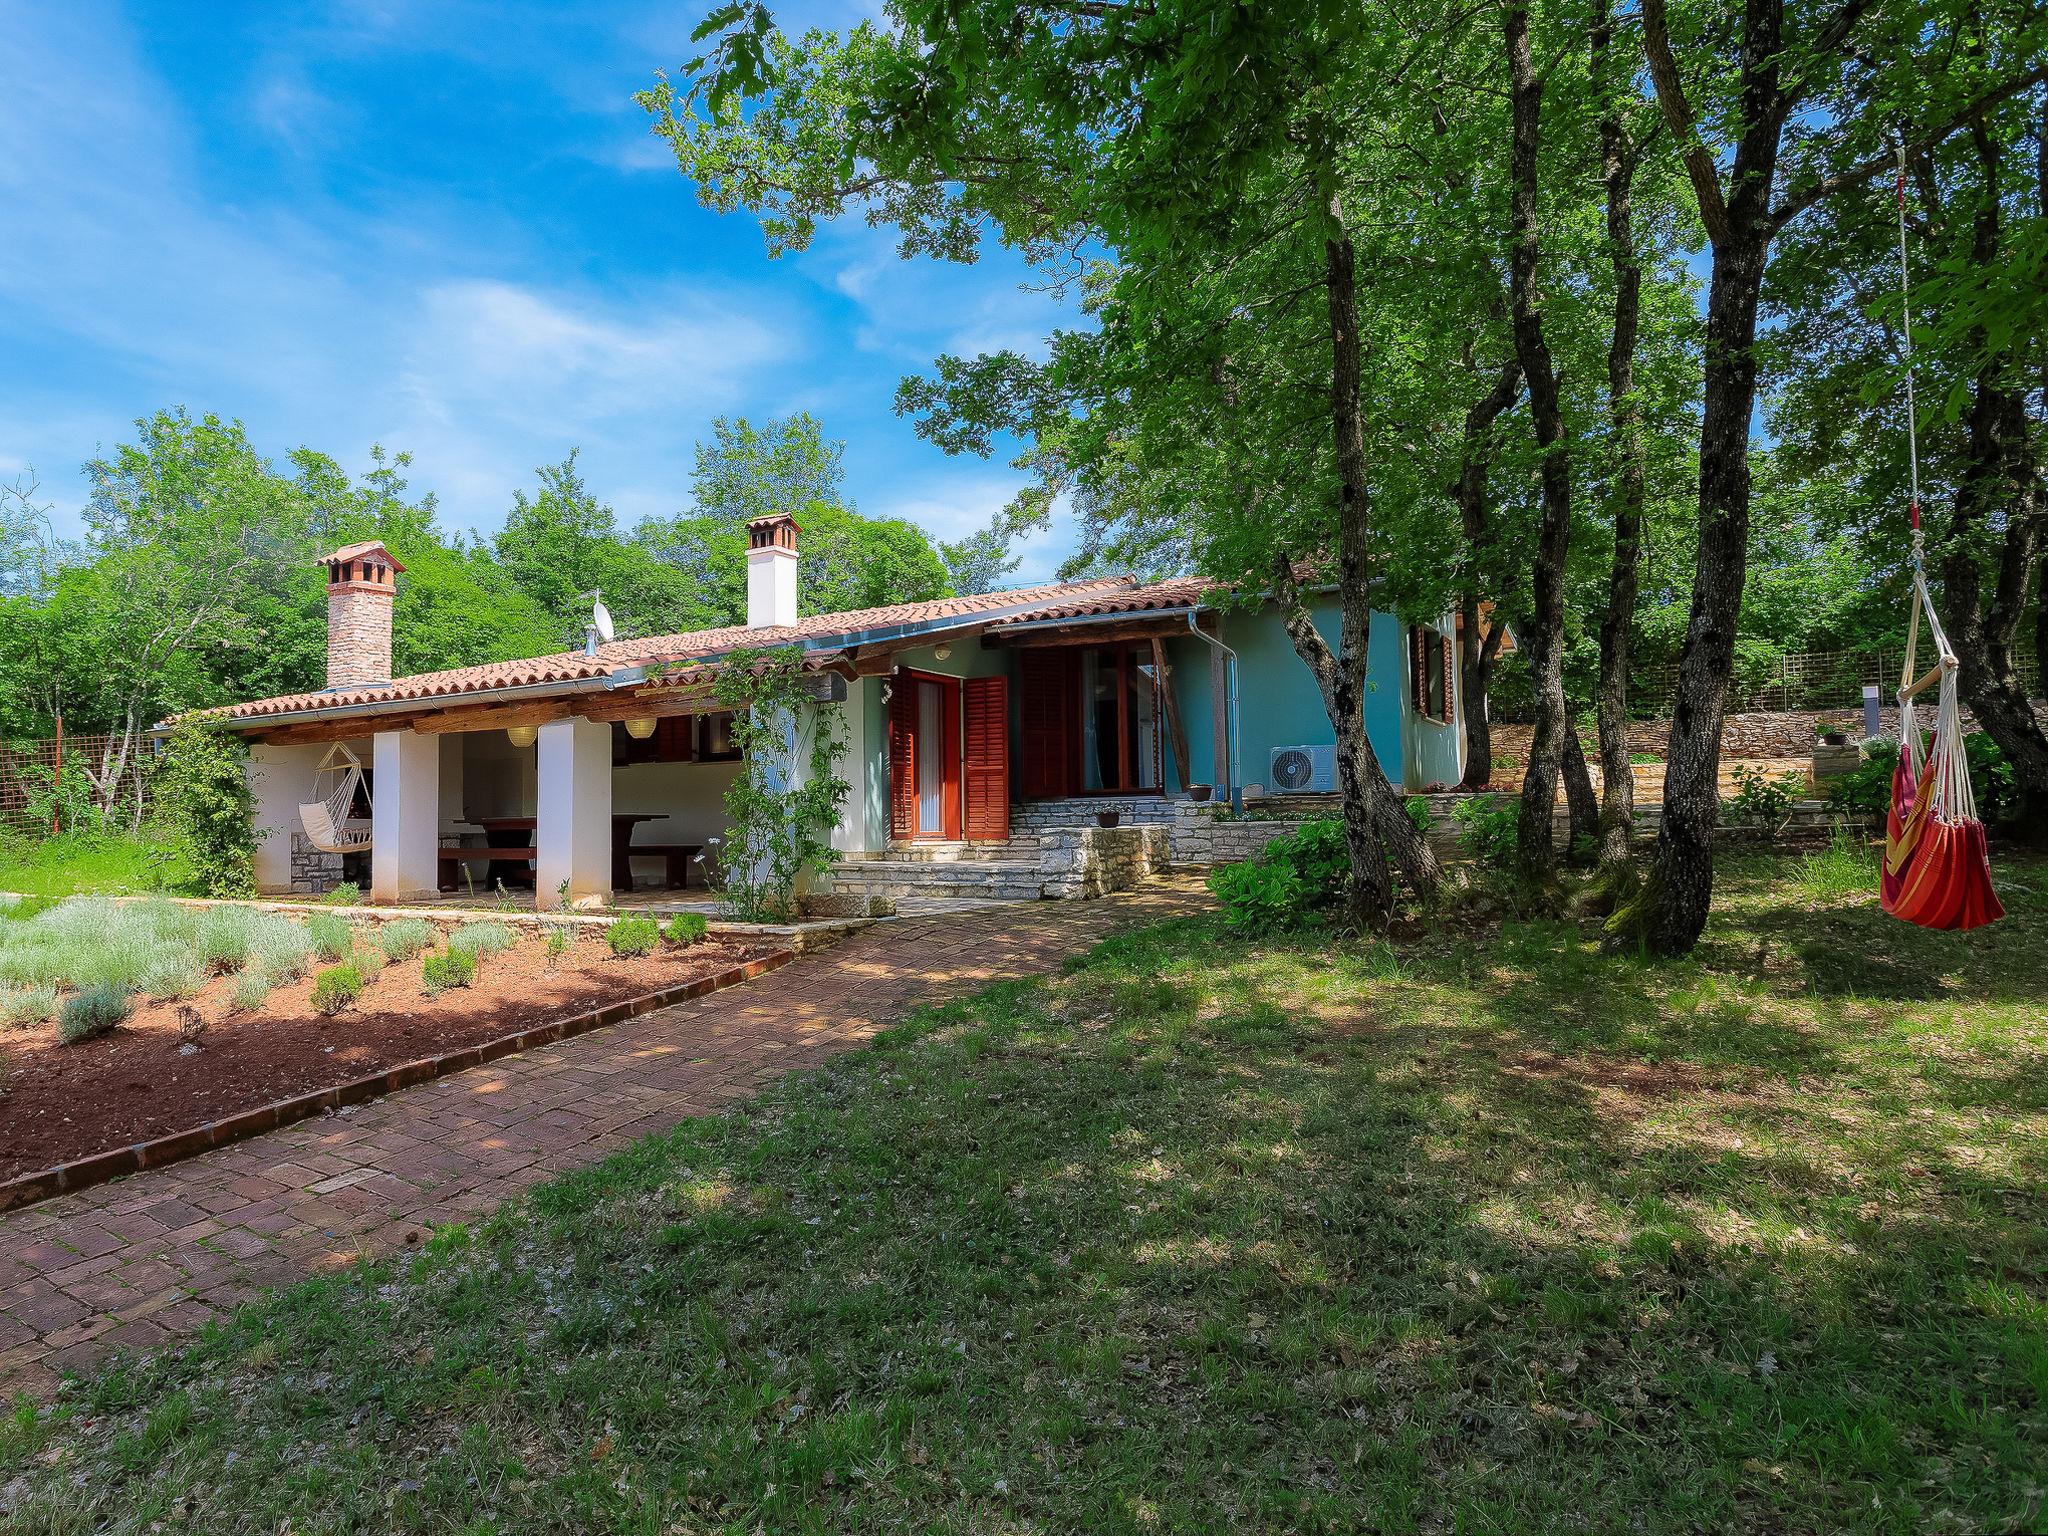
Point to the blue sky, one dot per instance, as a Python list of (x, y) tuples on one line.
[(444, 227)]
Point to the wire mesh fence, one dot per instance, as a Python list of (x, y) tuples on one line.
[(54, 783), (1807, 680)]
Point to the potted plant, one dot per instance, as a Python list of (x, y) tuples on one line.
[(1108, 818), (1199, 793), (1831, 734)]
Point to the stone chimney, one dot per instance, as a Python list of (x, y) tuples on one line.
[(362, 582), (771, 571)]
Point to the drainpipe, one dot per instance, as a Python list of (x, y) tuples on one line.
[(1230, 727)]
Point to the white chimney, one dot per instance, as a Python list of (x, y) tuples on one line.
[(771, 571)]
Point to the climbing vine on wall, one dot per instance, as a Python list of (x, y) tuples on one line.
[(787, 797)]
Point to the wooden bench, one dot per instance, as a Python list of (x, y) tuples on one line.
[(678, 856), (451, 858)]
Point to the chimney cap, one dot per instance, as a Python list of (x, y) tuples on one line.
[(778, 530), (369, 549)]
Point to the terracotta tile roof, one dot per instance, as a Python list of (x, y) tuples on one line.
[(1181, 592), (1053, 599)]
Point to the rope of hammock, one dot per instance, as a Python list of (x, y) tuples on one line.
[(322, 819)]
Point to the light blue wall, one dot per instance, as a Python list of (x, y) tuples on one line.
[(1279, 704), (1435, 748)]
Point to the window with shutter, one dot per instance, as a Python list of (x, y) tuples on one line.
[(985, 783)]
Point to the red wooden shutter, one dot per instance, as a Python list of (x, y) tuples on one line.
[(902, 758), (1048, 707), (985, 789), (1450, 673)]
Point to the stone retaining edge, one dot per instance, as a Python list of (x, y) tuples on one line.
[(67, 1178)]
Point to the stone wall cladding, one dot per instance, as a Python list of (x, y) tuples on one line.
[(313, 873), (1082, 862), (358, 634), (1766, 734)]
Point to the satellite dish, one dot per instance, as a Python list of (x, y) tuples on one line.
[(601, 619)]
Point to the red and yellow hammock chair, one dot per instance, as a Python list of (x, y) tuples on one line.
[(1937, 872)]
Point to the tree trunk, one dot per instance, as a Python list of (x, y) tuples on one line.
[(1477, 653), (1625, 485), (1672, 912), (1543, 644), (1581, 804), (1375, 824), (2000, 477)]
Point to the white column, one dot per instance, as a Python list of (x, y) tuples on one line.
[(573, 809), (405, 816), (281, 780), (851, 833)]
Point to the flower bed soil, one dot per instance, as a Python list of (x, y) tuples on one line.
[(62, 1102)]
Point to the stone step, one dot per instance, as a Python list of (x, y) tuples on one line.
[(1022, 850)]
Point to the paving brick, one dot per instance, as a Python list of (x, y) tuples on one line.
[(152, 1257)]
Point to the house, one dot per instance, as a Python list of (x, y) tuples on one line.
[(978, 730)]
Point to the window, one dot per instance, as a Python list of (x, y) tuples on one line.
[(1429, 692), (714, 739)]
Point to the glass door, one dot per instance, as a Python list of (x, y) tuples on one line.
[(1119, 722), (931, 770)]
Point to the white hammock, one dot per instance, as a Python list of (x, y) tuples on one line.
[(325, 819)]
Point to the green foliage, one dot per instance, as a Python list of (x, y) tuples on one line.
[(346, 894), (21, 1006), (1991, 778), (16, 908), (201, 801), (92, 1011), (1295, 882), (333, 939), (88, 863), (557, 943), (1867, 787), (1418, 812), (784, 803), (1762, 799), (1846, 868), (336, 988), (448, 969), (632, 937), (369, 960), (406, 937), (481, 940), (280, 949), (686, 928), (251, 988), (1489, 828)]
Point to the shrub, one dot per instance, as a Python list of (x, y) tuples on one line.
[(405, 938), (332, 937), (449, 968), (27, 1005), (482, 940), (225, 937), (631, 937), (1761, 799), (92, 1012), (1991, 777), (558, 943), (280, 948), (1418, 812), (174, 976), (686, 928), (1259, 896), (19, 909), (346, 894), (1868, 788), (1293, 883), (1488, 827), (203, 806), (251, 988), (368, 960), (336, 988)]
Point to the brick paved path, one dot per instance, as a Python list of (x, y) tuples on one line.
[(148, 1258)]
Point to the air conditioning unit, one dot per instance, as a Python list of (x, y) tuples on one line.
[(1303, 770)]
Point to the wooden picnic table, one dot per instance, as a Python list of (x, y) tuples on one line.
[(499, 833)]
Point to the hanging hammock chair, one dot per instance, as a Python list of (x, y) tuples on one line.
[(326, 820), (1937, 872)]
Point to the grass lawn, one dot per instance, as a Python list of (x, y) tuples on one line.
[(77, 865), (1486, 1232)]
